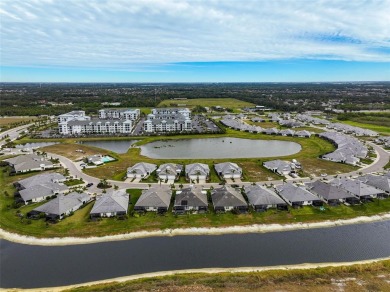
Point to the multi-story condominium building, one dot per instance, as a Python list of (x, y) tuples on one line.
[(73, 116), (119, 114), (113, 121), (97, 127), (168, 120), (171, 111)]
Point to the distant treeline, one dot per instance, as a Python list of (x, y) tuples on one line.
[(37, 99)]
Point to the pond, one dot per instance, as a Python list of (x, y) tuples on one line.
[(119, 147), (28, 266), (35, 145), (219, 148)]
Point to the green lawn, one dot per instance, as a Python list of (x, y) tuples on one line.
[(383, 130), (206, 102)]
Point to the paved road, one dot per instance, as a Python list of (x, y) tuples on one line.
[(13, 133)]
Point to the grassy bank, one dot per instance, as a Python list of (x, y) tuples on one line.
[(361, 277), (79, 224)]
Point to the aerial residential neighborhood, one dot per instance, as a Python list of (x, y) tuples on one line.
[(182, 145)]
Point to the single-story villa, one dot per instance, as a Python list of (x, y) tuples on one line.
[(193, 198), (357, 188), (302, 134), (381, 182), (279, 166), (228, 170), (330, 193), (61, 206), (110, 204), (287, 132), (169, 171), (297, 196), (39, 187), (262, 199), (227, 198), (155, 199), (29, 162), (197, 171), (141, 170)]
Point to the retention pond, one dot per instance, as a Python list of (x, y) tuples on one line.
[(218, 148)]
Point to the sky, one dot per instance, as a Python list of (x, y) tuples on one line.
[(194, 41)]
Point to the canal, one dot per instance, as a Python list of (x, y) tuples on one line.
[(27, 266)]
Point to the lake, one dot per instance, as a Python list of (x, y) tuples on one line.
[(218, 148), (119, 147), (35, 145), (28, 266)]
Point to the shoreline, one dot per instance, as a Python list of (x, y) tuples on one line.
[(304, 266), (257, 228)]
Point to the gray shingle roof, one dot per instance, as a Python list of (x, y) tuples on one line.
[(63, 203), (194, 197), (356, 187), (227, 168), (261, 196), (380, 182), (41, 179), (155, 197), (43, 190), (227, 196), (112, 201), (170, 168), (142, 168), (328, 191), (193, 169), (28, 162), (294, 193)]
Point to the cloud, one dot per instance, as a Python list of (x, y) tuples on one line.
[(123, 34)]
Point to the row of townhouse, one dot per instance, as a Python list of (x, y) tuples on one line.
[(312, 120), (260, 198), (347, 129), (168, 120), (242, 126), (349, 150), (337, 191), (110, 121), (195, 199), (194, 171)]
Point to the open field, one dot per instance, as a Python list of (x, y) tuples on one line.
[(208, 102), (383, 130), (79, 224), (9, 121), (359, 277), (69, 150)]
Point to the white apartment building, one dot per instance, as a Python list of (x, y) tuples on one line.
[(111, 121), (73, 116), (97, 127), (171, 125), (172, 111), (168, 120), (119, 114)]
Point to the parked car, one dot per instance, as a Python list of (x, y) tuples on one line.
[(89, 185)]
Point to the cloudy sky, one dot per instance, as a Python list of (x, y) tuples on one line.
[(201, 41)]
